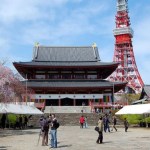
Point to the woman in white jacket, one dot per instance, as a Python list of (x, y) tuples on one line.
[(100, 132)]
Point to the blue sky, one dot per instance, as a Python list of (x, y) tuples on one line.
[(71, 23)]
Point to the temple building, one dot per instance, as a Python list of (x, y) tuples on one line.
[(69, 76)]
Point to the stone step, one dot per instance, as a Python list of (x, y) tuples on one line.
[(72, 119), (67, 109)]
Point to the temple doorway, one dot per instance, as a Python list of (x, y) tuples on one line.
[(52, 102), (66, 102), (81, 102)]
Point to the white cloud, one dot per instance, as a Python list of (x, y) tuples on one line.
[(27, 10), (70, 22)]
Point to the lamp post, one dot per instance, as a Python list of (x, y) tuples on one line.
[(26, 90), (113, 97), (126, 98)]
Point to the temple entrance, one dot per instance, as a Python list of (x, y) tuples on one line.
[(81, 102), (51, 102), (66, 102)]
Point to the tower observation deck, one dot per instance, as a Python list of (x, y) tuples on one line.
[(127, 70)]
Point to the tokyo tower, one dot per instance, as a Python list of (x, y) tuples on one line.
[(127, 70)]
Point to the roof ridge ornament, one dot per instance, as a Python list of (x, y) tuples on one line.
[(94, 49), (36, 47), (94, 45), (36, 44)]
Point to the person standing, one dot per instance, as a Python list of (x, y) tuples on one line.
[(114, 121), (81, 121), (100, 132), (44, 124), (106, 123), (126, 124), (85, 122), (3, 121), (25, 122), (20, 122), (53, 132), (17, 122)]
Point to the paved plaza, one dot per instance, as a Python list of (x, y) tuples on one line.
[(74, 138)]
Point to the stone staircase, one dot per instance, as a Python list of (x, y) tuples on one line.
[(67, 109), (71, 119), (67, 119), (69, 115)]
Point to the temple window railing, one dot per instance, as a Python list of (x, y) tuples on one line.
[(54, 76), (40, 76), (92, 76), (66, 76), (79, 76)]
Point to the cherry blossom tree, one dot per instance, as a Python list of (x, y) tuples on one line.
[(10, 86)]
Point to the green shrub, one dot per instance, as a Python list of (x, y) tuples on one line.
[(147, 119), (132, 119), (12, 118)]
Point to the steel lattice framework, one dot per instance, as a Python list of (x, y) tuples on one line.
[(127, 70)]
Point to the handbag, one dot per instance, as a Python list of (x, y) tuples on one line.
[(96, 128)]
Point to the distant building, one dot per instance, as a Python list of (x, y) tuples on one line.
[(145, 92), (69, 76), (145, 96)]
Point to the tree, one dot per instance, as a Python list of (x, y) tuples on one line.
[(10, 86)]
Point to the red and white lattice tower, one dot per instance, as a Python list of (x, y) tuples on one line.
[(127, 70)]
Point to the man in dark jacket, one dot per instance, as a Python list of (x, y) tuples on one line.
[(53, 132), (106, 123), (114, 121), (126, 124)]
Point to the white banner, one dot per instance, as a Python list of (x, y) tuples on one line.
[(61, 96)]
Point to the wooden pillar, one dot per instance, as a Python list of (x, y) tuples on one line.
[(74, 102), (59, 102)]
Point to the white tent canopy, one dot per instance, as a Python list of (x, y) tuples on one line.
[(134, 109), (19, 109)]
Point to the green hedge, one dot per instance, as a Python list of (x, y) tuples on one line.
[(12, 118), (147, 119), (132, 119)]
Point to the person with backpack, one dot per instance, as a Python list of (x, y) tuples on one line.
[(53, 132), (45, 129)]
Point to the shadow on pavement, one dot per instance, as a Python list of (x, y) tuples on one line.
[(5, 133), (107, 142), (64, 146), (3, 147)]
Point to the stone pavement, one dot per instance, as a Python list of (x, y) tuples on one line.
[(74, 138)]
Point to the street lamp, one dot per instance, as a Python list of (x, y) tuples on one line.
[(113, 97), (26, 90)]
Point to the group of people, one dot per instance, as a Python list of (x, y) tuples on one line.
[(49, 127), (83, 122), (20, 121), (104, 124)]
